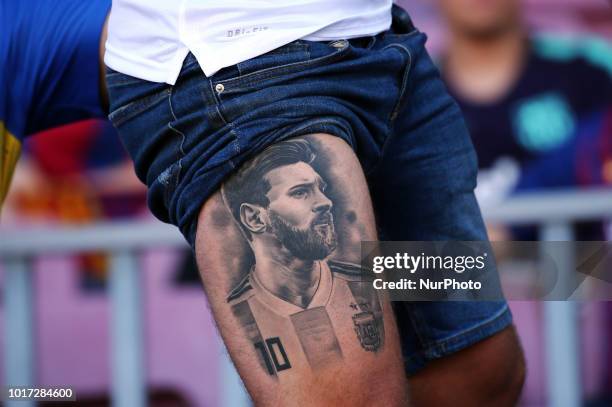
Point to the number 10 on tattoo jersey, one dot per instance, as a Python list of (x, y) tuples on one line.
[(270, 350)]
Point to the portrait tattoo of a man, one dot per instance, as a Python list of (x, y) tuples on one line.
[(294, 298)]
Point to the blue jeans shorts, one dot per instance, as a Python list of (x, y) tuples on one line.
[(381, 94)]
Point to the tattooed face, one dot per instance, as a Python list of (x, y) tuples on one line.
[(298, 306), (299, 211)]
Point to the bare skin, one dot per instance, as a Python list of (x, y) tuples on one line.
[(101, 73), (286, 242), (487, 47), (276, 267)]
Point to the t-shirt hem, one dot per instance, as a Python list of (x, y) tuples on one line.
[(353, 32), (167, 73)]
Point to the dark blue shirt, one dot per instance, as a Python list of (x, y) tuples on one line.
[(49, 51), (562, 83)]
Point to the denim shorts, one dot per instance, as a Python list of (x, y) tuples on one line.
[(381, 94)]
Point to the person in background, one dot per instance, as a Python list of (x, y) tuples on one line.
[(527, 101)]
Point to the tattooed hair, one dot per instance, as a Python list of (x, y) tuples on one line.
[(250, 185)]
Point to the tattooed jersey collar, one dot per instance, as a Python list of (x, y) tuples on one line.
[(319, 299)]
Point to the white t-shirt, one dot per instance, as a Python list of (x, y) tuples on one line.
[(149, 39)]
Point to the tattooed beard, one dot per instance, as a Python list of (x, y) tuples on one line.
[(315, 242)]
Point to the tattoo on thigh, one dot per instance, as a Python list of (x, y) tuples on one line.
[(299, 293)]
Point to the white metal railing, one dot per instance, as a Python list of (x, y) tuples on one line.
[(18, 247), (554, 212)]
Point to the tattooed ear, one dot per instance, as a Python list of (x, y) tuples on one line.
[(251, 217)]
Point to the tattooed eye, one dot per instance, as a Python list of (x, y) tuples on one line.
[(299, 193)]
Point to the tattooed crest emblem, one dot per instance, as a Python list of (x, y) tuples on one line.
[(367, 330)]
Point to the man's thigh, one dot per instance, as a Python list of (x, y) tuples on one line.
[(278, 251)]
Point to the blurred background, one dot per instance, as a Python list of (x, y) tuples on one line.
[(533, 78)]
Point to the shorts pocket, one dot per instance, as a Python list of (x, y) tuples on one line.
[(130, 96)]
